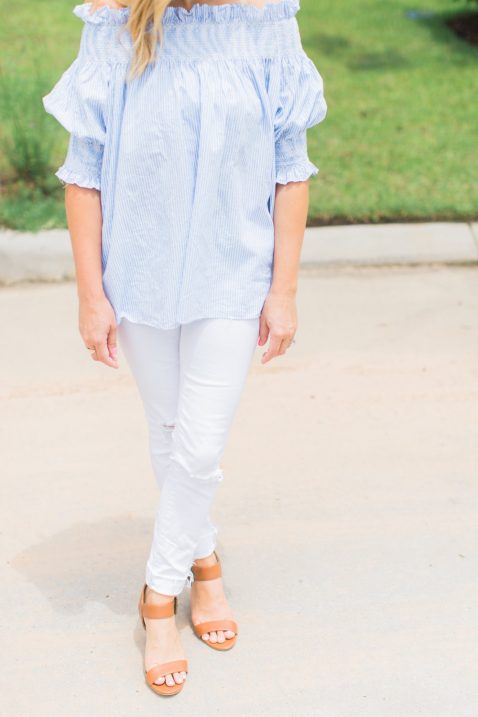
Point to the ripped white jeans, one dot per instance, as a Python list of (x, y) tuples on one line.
[(190, 380)]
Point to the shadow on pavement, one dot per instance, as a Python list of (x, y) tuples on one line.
[(100, 562)]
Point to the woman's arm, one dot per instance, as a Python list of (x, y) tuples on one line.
[(279, 314), (97, 321)]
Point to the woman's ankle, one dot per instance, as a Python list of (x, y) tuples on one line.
[(157, 598), (206, 561)]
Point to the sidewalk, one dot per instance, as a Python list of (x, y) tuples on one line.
[(46, 256), (347, 517)]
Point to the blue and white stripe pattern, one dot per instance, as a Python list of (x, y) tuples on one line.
[(187, 156)]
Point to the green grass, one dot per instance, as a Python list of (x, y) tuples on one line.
[(401, 138), (400, 141)]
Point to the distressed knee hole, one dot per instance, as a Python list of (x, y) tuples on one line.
[(197, 470)]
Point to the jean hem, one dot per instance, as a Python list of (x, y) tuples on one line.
[(200, 554), (165, 586)]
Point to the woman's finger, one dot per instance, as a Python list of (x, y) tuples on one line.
[(112, 344), (90, 346), (263, 330), (274, 345), (284, 345), (102, 353), (288, 343)]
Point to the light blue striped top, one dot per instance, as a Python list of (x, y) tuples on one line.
[(187, 156)]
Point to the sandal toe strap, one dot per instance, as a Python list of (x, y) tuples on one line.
[(214, 625), (166, 668)]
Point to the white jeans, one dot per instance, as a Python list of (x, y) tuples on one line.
[(190, 379)]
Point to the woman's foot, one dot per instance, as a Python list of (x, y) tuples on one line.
[(163, 643), (208, 602)]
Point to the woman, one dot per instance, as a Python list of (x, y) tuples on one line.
[(186, 192)]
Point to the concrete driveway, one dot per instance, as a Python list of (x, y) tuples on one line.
[(348, 514)]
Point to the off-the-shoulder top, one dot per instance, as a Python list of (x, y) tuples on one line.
[(187, 156)]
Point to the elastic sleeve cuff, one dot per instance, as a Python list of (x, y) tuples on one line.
[(66, 176), (83, 163), (296, 172), (292, 159)]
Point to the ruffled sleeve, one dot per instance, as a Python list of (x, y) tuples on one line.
[(80, 98), (301, 106)]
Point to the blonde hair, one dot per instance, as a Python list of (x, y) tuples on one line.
[(146, 28)]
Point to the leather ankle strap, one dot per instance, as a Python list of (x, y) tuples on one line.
[(209, 572), (157, 612)]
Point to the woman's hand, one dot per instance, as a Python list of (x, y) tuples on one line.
[(98, 330), (278, 322)]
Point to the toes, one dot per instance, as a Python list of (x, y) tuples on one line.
[(176, 678), (219, 636)]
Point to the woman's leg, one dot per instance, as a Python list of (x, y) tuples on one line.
[(214, 359), (153, 357), (164, 364)]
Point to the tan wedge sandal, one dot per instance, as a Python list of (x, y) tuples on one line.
[(211, 572), (165, 668)]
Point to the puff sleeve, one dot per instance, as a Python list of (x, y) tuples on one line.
[(301, 105), (80, 99)]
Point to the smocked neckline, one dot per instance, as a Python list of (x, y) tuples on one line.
[(227, 12)]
